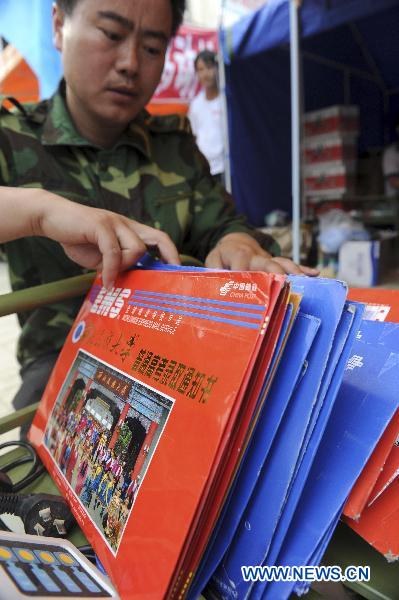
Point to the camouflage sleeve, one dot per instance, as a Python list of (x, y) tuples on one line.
[(3, 167), (6, 169), (214, 213), (4, 161)]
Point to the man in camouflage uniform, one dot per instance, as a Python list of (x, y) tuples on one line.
[(94, 143)]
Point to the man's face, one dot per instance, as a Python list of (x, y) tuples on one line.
[(113, 53), (207, 74)]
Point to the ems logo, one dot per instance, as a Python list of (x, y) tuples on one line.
[(78, 331), (109, 303), (354, 362)]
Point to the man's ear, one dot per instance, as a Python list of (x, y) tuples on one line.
[(58, 17)]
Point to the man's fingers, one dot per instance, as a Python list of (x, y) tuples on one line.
[(97, 238), (260, 262), (110, 248), (237, 257), (111, 265), (292, 268), (240, 260), (288, 265), (214, 260), (310, 271), (154, 237), (87, 255), (123, 247)]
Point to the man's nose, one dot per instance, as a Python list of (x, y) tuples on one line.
[(128, 59)]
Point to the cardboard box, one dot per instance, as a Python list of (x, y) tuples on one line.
[(362, 263), (330, 147), (330, 179), (332, 119), (318, 205)]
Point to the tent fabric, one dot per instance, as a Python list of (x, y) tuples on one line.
[(26, 24), (269, 26), (350, 53)]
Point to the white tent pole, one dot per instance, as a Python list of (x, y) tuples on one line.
[(295, 128), (222, 91)]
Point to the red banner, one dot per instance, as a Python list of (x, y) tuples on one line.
[(179, 83)]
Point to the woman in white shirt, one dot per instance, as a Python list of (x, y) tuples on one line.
[(206, 114)]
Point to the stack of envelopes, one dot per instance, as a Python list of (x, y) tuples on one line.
[(215, 420), (372, 508), (334, 394)]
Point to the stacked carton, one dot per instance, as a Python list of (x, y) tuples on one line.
[(329, 153)]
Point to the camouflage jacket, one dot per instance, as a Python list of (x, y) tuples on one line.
[(154, 174)]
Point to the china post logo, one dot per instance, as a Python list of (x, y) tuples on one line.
[(239, 289), (109, 303), (226, 288)]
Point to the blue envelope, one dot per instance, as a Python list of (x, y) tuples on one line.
[(325, 299), (301, 588), (343, 341), (287, 375), (366, 402)]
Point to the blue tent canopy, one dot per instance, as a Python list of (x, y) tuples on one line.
[(26, 24), (350, 54)]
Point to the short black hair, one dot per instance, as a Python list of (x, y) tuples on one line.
[(178, 8), (208, 57)]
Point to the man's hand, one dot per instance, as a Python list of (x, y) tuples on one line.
[(240, 252), (92, 237), (100, 239)]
